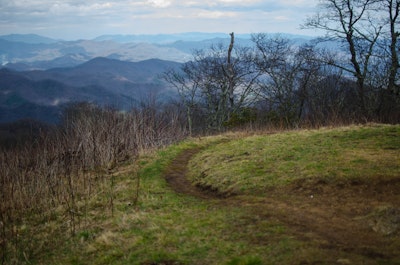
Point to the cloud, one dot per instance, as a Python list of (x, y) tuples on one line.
[(70, 18), (160, 3), (239, 2), (215, 14), (282, 18)]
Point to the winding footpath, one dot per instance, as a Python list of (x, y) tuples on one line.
[(331, 218)]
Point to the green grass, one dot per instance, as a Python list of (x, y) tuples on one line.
[(253, 164), (168, 227)]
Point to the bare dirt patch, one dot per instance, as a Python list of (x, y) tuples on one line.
[(361, 218), (175, 174)]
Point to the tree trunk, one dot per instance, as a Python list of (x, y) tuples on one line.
[(231, 84), (393, 50)]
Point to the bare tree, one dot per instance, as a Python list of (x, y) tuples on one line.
[(218, 80), (186, 82), (353, 22), (287, 72), (393, 8), (229, 72), (389, 46)]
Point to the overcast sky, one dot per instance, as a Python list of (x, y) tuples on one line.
[(73, 19)]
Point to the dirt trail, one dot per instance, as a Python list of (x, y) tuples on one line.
[(339, 218), (175, 175)]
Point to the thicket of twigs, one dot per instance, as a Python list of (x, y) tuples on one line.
[(65, 166)]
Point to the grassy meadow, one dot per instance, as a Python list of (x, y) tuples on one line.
[(251, 165)]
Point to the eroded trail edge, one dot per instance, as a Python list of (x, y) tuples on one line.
[(333, 218), (175, 174)]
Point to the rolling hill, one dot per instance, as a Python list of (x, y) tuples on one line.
[(42, 94)]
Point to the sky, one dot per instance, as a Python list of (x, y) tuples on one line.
[(86, 19)]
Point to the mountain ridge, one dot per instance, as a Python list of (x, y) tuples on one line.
[(29, 51), (29, 38), (42, 94), (48, 73)]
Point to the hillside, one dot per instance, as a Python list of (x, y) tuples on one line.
[(42, 94), (306, 160), (327, 196)]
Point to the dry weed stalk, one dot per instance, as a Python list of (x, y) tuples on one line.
[(64, 169)]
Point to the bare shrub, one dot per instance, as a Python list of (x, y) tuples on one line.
[(46, 184)]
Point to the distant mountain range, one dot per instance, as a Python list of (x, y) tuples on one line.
[(39, 75), (28, 52), (28, 38), (24, 56), (169, 38), (41, 94)]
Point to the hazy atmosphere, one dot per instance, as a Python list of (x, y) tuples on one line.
[(73, 19)]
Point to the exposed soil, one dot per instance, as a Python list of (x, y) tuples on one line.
[(175, 176), (361, 219)]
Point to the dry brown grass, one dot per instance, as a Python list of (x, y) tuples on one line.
[(50, 189)]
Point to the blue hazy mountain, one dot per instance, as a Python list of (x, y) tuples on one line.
[(41, 94), (40, 75), (167, 38), (29, 52), (28, 38)]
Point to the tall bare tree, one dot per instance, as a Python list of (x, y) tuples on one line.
[(186, 81), (287, 72), (219, 79), (393, 8), (355, 24)]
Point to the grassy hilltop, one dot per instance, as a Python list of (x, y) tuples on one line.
[(327, 196)]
